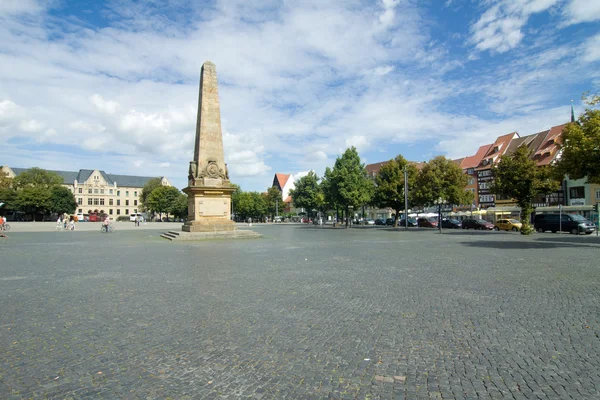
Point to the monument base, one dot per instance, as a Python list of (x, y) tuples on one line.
[(209, 225), (194, 236)]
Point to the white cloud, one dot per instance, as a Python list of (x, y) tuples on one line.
[(578, 11), (109, 107), (591, 49), (31, 126), (499, 29), (8, 7)]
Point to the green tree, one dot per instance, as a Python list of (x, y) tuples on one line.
[(62, 201), (442, 178), (33, 200), (180, 207), (162, 200), (580, 145), (389, 185), (8, 196), (37, 177), (348, 185), (518, 177), (148, 188), (249, 205), (307, 193), (273, 201)]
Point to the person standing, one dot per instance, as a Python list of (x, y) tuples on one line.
[(106, 223)]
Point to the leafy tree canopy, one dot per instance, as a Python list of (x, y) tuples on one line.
[(307, 192), (389, 190), (162, 200), (148, 188), (348, 183), (273, 200), (442, 178), (517, 176), (37, 177), (33, 200), (180, 207), (62, 200), (581, 145)]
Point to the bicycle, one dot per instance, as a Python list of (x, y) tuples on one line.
[(5, 227), (105, 229)]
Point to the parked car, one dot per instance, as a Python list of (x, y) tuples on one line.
[(411, 222), (479, 224), (390, 221), (451, 223), (427, 222), (508, 225), (379, 221), (573, 223), (277, 219), (369, 222)]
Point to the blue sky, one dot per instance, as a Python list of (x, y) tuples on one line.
[(114, 84)]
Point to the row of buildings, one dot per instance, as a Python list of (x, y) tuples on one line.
[(97, 191), (573, 195)]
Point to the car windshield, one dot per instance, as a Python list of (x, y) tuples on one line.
[(578, 218), (482, 221), (454, 221), (514, 221), (432, 219)]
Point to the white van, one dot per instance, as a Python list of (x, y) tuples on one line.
[(139, 216)]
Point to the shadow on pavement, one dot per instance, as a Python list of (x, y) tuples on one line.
[(523, 244)]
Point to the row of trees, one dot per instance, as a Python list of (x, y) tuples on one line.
[(346, 186), (256, 205), (36, 192), (158, 199)]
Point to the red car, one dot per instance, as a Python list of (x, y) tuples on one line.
[(427, 222), (479, 224)]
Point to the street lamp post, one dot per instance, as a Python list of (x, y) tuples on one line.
[(560, 218), (405, 198), (439, 203)]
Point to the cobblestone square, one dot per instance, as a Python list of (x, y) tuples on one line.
[(303, 313)]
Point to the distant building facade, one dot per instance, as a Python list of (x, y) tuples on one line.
[(97, 191)]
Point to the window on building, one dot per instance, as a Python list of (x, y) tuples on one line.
[(90, 191), (110, 202), (95, 191), (118, 192), (110, 191), (80, 211), (577, 192), (126, 202), (127, 193), (110, 211), (118, 202), (598, 194), (135, 202), (96, 201), (471, 181), (80, 201), (126, 211), (470, 171), (80, 190), (118, 211), (90, 201), (102, 201), (101, 191), (135, 210)]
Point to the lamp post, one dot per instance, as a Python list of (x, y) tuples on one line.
[(439, 203), (405, 198), (560, 218)]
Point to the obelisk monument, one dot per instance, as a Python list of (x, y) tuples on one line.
[(209, 190)]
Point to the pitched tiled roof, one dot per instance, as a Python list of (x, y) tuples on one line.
[(548, 150), (473, 161), (83, 174), (280, 180), (496, 150)]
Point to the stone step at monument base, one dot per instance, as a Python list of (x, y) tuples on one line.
[(191, 236)]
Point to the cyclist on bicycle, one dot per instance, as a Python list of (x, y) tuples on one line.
[(2, 222), (106, 223)]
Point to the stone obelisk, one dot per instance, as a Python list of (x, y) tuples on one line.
[(209, 190)]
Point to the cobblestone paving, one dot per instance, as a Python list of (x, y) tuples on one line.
[(304, 313)]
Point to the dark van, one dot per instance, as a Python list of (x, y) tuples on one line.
[(572, 223)]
